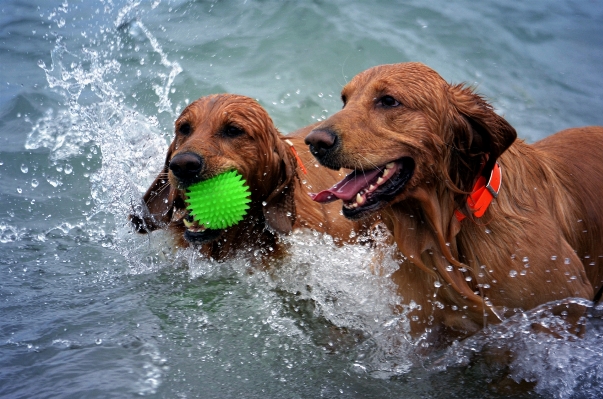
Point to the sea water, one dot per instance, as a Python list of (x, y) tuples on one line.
[(88, 97)]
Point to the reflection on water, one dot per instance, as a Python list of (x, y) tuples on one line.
[(91, 309)]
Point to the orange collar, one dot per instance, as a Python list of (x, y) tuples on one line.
[(299, 161), (483, 193)]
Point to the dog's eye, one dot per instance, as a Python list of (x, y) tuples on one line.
[(388, 101), (185, 129), (232, 131)]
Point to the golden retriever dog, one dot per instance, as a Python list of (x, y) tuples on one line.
[(488, 225), (224, 132)]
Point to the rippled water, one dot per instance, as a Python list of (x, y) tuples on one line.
[(88, 96)]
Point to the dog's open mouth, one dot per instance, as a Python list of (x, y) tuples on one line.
[(194, 232), (367, 191)]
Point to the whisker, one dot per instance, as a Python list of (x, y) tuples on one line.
[(376, 167), (162, 188), (367, 160)]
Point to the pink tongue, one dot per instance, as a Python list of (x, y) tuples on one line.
[(347, 188)]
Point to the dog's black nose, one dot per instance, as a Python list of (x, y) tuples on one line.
[(320, 141), (186, 166)]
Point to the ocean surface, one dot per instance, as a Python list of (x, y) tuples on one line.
[(89, 91)]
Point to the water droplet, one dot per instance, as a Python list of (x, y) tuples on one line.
[(449, 268), (554, 257), (437, 284), (68, 169), (34, 183), (525, 259), (488, 231), (99, 341), (19, 190), (264, 203), (53, 182), (24, 168), (567, 261), (512, 273), (153, 120), (468, 278)]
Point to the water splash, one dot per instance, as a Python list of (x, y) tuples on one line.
[(163, 91), (557, 364), (10, 233), (97, 121)]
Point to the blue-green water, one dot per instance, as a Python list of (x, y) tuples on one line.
[(88, 95)]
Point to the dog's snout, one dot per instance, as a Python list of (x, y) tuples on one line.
[(320, 142), (186, 166)]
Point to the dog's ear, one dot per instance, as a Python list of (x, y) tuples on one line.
[(479, 135), (279, 211), (155, 210)]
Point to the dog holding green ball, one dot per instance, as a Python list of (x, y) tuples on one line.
[(231, 182)]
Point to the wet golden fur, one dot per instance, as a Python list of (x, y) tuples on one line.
[(279, 189), (540, 241)]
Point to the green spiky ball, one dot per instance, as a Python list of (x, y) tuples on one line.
[(219, 202)]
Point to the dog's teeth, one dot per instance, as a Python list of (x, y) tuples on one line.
[(359, 199), (187, 223), (385, 172), (380, 181), (390, 165), (372, 188)]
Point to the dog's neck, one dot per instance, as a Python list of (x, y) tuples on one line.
[(484, 191), (432, 247)]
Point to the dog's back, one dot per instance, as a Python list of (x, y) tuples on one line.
[(576, 156)]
